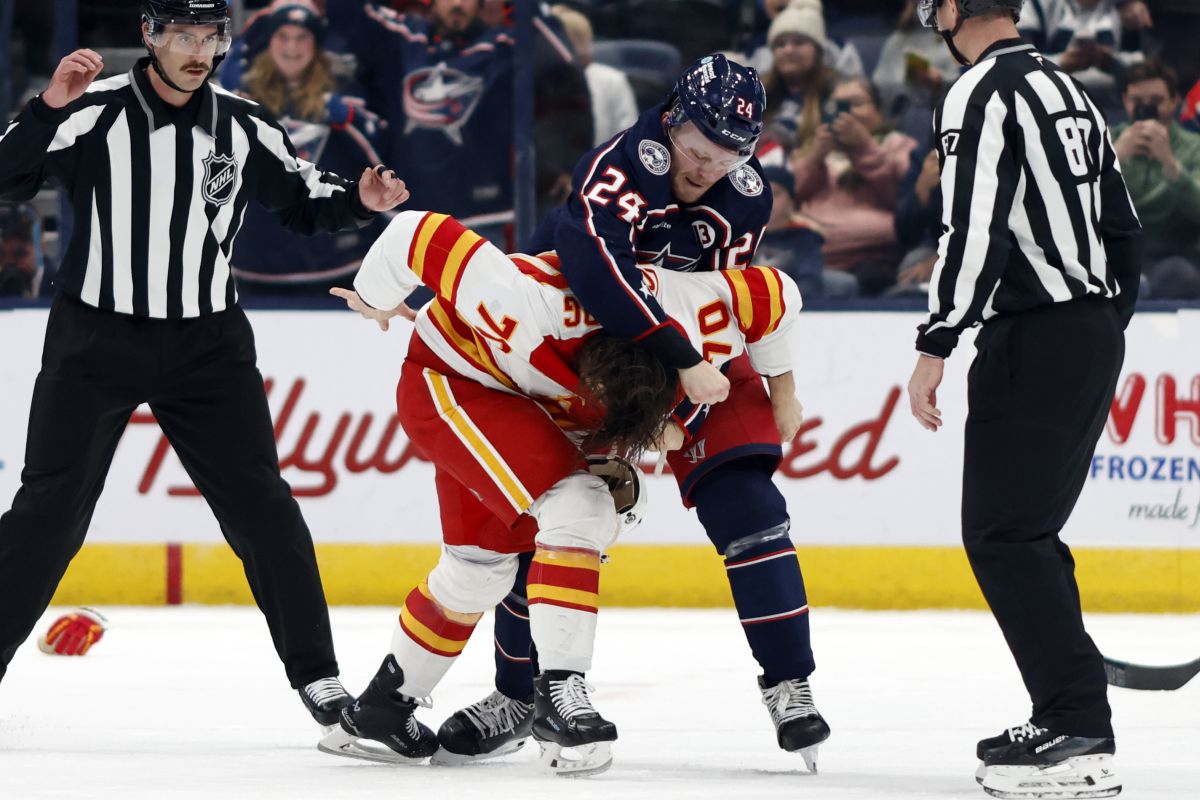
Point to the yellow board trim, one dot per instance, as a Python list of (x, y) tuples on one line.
[(686, 576), (116, 574), (544, 591)]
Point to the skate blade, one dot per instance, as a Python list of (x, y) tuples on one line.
[(1080, 777), (575, 762), (809, 754), (446, 758), (339, 743)]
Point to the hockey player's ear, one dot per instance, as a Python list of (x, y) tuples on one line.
[(953, 14)]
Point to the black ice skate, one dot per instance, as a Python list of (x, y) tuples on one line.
[(575, 739), (325, 699), (799, 727), (495, 726), (384, 716), (1032, 762)]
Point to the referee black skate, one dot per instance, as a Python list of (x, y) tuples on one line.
[(1041, 248), (159, 166)]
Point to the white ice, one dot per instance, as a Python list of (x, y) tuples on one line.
[(191, 703)]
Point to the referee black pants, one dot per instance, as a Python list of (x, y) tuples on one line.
[(200, 378), (1039, 392)]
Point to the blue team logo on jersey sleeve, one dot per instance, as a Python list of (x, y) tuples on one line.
[(220, 176), (440, 98)]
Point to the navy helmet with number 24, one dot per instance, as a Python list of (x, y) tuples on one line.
[(725, 100)]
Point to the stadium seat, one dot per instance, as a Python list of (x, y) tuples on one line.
[(916, 120), (651, 67), (870, 47), (639, 54), (695, 27)]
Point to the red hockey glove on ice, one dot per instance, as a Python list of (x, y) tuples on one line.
[(73, 634)]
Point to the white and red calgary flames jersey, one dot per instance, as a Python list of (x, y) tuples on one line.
[(513, 324)]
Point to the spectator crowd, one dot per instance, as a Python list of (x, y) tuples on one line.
[(426, 86)]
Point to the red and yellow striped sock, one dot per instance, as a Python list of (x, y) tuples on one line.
[(426, 642), (563, 591)]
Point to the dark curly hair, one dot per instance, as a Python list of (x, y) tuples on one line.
[(635, 388)]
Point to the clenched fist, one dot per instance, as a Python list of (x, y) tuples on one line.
[(73, 634)]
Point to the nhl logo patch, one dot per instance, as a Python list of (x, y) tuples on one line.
[(747, 181), (220, 176), (654, 156)]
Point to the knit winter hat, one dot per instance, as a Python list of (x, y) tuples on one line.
[(296, 14), (804, 17)]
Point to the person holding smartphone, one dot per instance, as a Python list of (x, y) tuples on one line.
[(1161, 164), (848, 181)]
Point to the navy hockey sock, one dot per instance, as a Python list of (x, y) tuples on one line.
[(761, 565), (514, 665)]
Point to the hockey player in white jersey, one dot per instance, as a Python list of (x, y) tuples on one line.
[(507, 387)]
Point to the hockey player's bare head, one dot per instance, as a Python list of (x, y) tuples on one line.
[(635, 388), (454, 16)]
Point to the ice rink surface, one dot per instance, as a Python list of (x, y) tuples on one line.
[(191, 703)]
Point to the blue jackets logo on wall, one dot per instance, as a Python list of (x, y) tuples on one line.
[(655, 158), (220, 173), (441, 98)]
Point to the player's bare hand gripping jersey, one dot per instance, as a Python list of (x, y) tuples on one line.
[(514, 325)]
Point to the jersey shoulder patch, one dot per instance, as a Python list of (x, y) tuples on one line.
[(654, 157), (747, 181)]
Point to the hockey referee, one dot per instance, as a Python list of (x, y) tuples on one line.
[(1040, 246), (159, 166)]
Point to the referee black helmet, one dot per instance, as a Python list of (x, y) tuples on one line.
[(927, 9), (158, 14)]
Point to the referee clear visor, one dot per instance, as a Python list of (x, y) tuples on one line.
[(211, 39), (927, 13)]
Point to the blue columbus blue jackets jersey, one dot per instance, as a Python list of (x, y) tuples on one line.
[(267, 252), (622, 212), (444, 100)]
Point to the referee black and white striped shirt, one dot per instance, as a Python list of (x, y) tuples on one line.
[(159, 192), (1035, 210)]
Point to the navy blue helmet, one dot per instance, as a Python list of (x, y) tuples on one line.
[(724, 99)]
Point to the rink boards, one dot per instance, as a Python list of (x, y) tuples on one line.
[(874, 498)]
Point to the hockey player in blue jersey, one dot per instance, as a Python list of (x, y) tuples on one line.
[(682, 189), (443, 81)]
